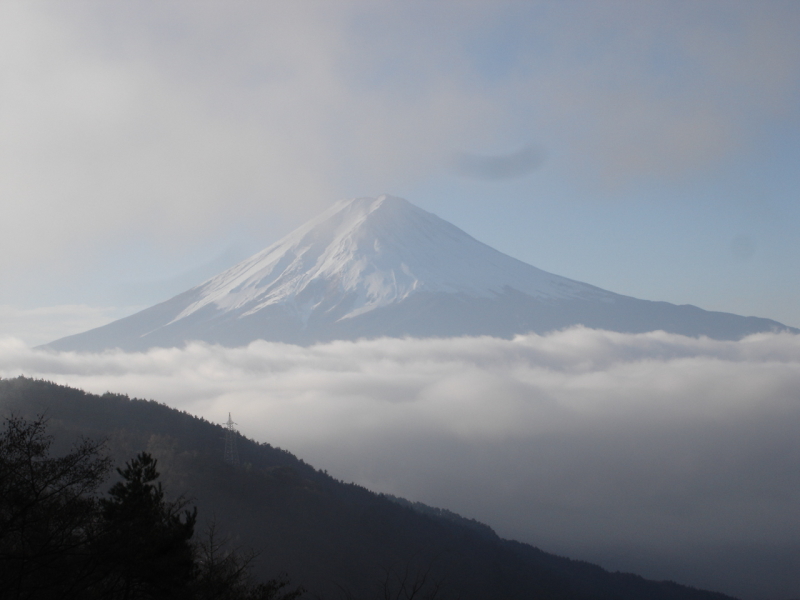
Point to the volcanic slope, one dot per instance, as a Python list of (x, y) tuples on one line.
[(373, 267)]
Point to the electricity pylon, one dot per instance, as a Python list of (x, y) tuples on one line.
[(231, 454)]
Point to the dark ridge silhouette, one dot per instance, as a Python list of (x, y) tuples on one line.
[(337, 540)]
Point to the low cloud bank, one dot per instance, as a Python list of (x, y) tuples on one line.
[(672, 456)]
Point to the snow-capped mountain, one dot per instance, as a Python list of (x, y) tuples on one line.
[(368, 253), (374, 267)]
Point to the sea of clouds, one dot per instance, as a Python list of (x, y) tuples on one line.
[(672, 456)]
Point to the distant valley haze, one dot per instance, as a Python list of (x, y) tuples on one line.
[(535, 263)]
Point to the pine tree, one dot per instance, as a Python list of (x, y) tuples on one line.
[(48, 512), (59, 541), (146, 540)]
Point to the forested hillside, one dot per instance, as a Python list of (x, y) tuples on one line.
[(337, 540)]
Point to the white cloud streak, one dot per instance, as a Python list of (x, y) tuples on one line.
[(652, 452)]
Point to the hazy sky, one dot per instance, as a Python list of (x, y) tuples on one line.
[(648, 148)]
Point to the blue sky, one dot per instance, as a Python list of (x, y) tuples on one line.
[(146, 147)]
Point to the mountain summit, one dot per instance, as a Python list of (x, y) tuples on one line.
[(368, 253), (372, 267)]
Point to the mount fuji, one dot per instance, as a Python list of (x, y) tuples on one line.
[(373, 267)]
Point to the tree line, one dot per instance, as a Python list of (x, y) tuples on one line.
[(61, 538)]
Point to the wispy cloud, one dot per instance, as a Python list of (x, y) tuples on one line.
[(499, 167), (653, 452), (173, 122)]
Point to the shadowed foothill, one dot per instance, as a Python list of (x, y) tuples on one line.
[(337, 540)]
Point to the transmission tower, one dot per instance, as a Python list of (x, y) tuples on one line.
[(231, 454)]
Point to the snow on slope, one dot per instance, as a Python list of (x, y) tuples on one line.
[(372, 252), (375, 267)]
